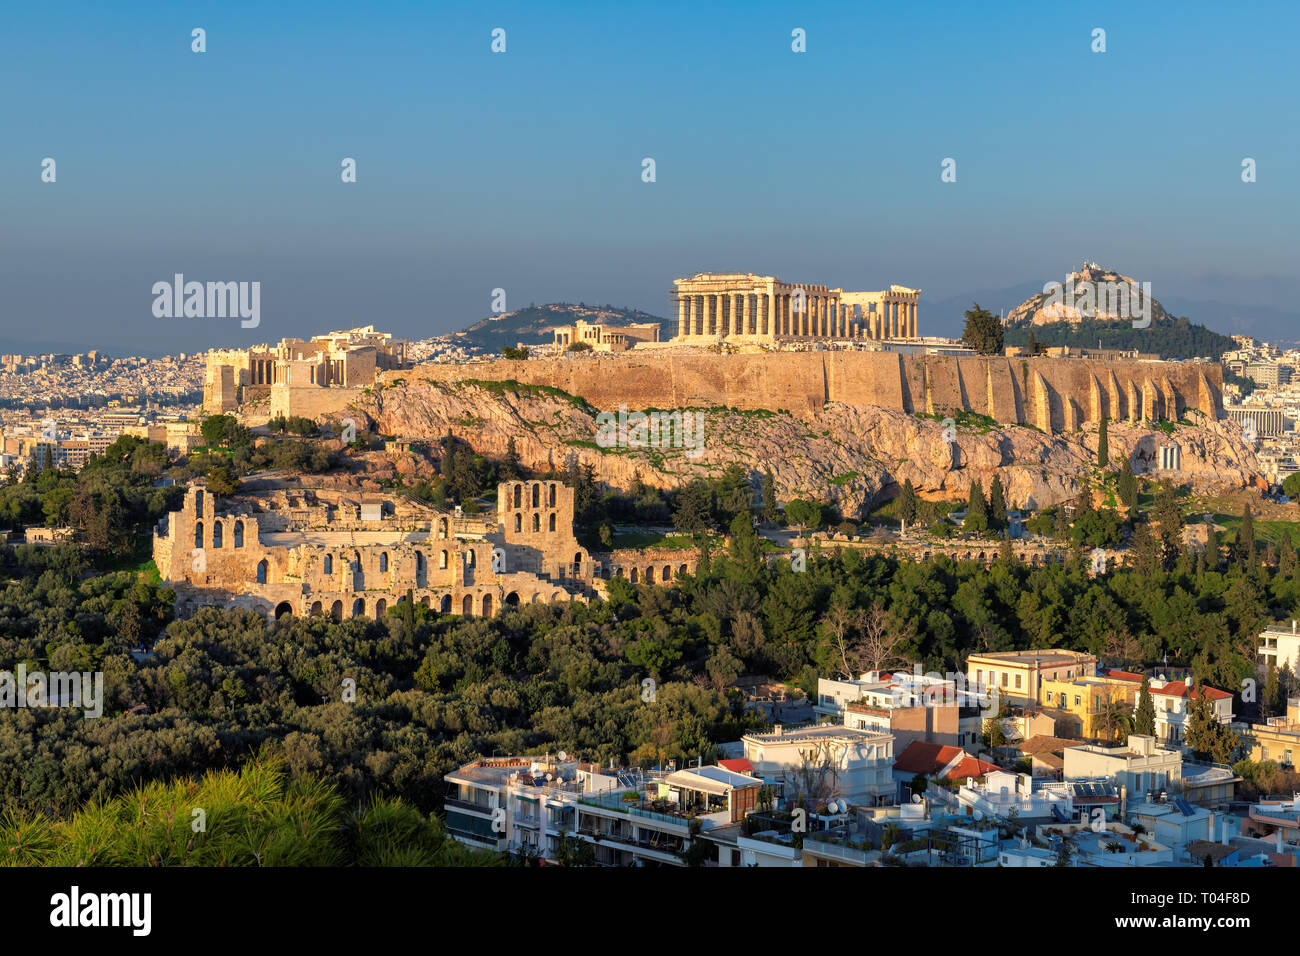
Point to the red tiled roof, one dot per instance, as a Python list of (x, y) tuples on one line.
[(920, 757), (1178, 688), (1124, 675), (971, 767), (738, 765)]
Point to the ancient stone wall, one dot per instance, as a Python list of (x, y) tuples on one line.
[(303, 562), (1052, 394)]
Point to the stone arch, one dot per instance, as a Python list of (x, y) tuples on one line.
[(513, 598), (537, 522), (556, 597), (336, 610), (442, 560), (283, 609), (383, 562), (327, 566), (198, 534), (218, 535), (239, 534), (682, 570), (551, 497), (359, 607), (535, 599), (650, 574), (519, 523), (442, 527), (632, 576), (668, 573), (519, 496), (467, 606), (444, 606), (262, 570), (380, 607), (421, 569), (425, 600), (469, 558), (537, 496), (487, 605), (316, 609), (550, 522)]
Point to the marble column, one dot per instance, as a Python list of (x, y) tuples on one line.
[(681, 316)]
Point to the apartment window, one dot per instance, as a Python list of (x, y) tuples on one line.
[(1004, 678), (1076, 700), (979, 678), (1017, 682)]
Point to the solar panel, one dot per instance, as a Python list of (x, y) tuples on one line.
[(1184, 807)]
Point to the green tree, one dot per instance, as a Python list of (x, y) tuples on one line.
[(1246, 539), (983, 331), (907, 503), (977, 514), (510, 464), (1128, 487), (1144, 716), (804, 514), (769, 513), (1103, 445), (997, 504)]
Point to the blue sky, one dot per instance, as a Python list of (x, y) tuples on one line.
[(522, 170)]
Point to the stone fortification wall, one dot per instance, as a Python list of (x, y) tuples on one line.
[(1052, 394)]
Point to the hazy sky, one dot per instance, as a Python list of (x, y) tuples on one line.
[(523, 170)]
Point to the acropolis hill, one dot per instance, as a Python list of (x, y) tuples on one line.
[(1048, 393)]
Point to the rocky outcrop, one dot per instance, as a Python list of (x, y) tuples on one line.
[(854, 455)]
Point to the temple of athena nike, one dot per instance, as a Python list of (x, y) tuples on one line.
[(741, 308)]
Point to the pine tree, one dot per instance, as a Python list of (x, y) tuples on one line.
[(907, 509), (997, 504), (1103, 445), (1211, 548), (1144, 717)]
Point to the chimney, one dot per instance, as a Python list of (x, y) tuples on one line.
[(1225, 830), (776, 729)]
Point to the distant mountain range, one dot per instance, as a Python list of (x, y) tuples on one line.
[(535, 324)]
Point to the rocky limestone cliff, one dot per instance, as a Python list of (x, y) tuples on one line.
[(856, 456)]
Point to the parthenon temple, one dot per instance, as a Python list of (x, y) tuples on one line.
[(740, 308)]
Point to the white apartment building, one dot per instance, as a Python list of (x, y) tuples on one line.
[(631, 817), (1139, 767), (1281, 643), (863, 760)]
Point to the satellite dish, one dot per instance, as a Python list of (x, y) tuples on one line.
[(563, 755), (978, 814)]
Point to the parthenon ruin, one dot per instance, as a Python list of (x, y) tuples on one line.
[(743, 308)]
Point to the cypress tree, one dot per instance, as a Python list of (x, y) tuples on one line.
[(907, 503), (997, 504), (1246, 539), (1128, 488), (769, 512), (1103, 445), (1144, 717)]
